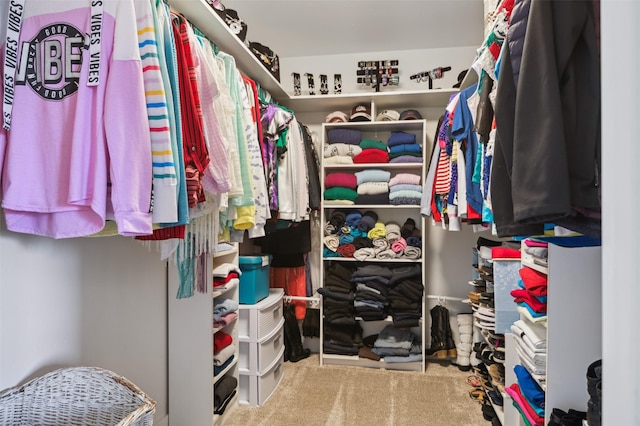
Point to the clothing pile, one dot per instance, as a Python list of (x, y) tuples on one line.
[(166, 140), (528, 397), (364, 237), (397, 344), (405, 188), (224, 350), (403, 148)]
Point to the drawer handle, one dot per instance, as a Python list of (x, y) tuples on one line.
[(276, 341), (276, 371)]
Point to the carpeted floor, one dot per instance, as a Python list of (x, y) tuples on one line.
[(311, 395)]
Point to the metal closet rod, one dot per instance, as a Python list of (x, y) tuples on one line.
[(435, 297), (310, 299)]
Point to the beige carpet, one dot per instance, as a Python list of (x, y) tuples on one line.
[(330, 395)]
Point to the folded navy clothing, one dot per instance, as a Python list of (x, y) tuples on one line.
[(366, 316), (343, 334), (368, 304), (348, 136), (405, 147), (217, 369), (394, 337), (404, 272), (342, 320), (405, 153), (373, 270), (340, 271), (406, 314), (369, 296), (403, 306), (406, 322), (414, 241), (382, 351), (369, 199), (335, 295), (401, 201), (368, 279), (335, 349), (413, 293), (377, 285), (406, 158), (400, 138)]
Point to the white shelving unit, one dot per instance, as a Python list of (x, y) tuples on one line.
[(386, 213), (574, 325), (191, 374), (202, 15), (400, 99)]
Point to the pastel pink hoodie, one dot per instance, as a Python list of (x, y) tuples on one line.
[(74, 151)]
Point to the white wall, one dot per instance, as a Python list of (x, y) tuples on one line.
[(88, 301), (410, 62), (621, 203)]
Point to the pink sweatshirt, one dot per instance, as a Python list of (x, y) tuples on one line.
[(73, 151)]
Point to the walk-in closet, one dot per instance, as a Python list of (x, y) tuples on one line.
[(327, 213)]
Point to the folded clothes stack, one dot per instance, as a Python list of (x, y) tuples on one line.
[(372, 186), (405, 189), (342, 146), (373, 151), (404, 151)]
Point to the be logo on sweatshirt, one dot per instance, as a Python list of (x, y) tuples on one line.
[(51, 62)]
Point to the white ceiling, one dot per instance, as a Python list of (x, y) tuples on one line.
[(330, 27)]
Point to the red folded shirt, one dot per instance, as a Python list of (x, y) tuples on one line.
[(505, 253), (220, 341), (346, 180), (371, 155), (521, 295), (535, 282), (217, 281)]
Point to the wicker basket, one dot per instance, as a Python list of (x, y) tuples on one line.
[(76, 396)]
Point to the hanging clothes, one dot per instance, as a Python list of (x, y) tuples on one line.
[(80, 163), (275, 120), (165, 196), (563, 188)]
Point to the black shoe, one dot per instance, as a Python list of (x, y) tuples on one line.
[(438, 334), (580, 414), (488, 413), (594, 376), (292, 336), (594, 388)]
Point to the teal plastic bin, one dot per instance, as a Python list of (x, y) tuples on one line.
[(254, 281)]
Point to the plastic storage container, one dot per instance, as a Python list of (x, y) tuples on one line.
[(256, 357), (254, 281), (255, 389), (255, 322)]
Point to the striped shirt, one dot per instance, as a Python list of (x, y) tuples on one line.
[(163, 165)]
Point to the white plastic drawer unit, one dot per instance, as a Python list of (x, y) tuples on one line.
[(256, 357), (255, 322), (254, 389)]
